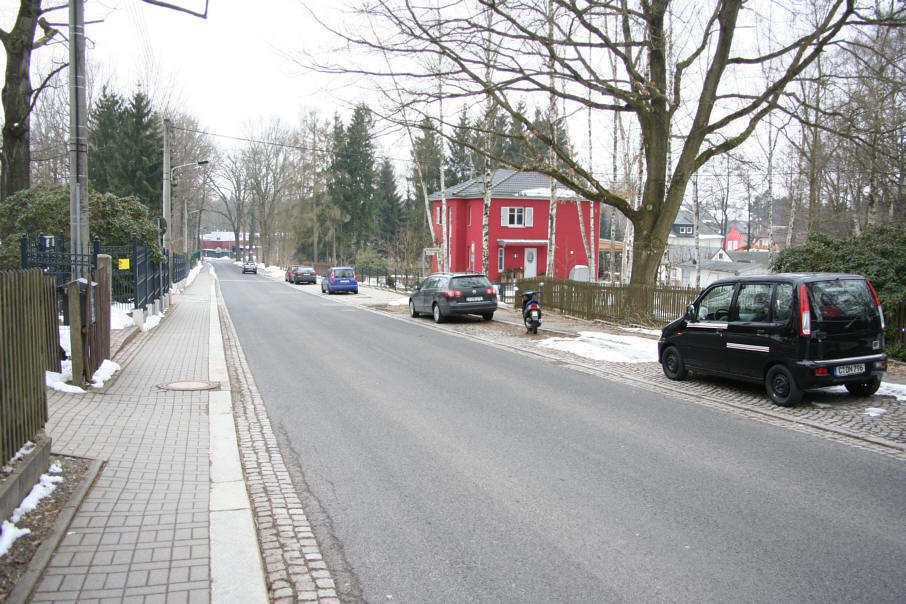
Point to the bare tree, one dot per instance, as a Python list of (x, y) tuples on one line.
[(270, 172), (19, 97), (712, 106)]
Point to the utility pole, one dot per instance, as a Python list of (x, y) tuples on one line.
[(78, 145), (166, 191)]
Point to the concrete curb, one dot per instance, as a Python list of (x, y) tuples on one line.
[(237, 569), (29, 579), (25, 475)]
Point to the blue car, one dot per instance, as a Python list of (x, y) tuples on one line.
[(339, 279)]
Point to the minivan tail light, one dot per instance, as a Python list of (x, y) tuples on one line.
[(353, 276), (805, 312), (878, 302)]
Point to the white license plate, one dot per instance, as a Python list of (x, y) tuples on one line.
[(474, 299), (534, 314), (844, 370)]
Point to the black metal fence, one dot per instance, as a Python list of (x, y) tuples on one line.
[(137, 280)]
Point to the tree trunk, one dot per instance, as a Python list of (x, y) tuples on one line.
[(15, 157)]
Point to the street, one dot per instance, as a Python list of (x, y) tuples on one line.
[(447, 470)]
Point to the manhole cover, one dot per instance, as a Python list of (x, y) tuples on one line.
[(193, 385)]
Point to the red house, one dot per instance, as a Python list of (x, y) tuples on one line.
[(517, 226)]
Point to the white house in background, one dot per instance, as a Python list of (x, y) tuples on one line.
[(681, 246), (723, 264)]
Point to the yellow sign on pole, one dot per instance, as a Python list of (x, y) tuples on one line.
[(123, 264)]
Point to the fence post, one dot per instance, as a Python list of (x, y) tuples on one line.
[(75, 333), (105, 261), (135, 267)]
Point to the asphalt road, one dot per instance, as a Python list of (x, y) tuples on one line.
[(446, 470)]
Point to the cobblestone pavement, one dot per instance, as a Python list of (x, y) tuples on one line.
[(827, 413), (295, 569)]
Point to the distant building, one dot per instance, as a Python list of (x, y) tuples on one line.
[(723, 264), (218, 244)]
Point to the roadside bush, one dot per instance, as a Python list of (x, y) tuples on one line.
[(878, 253), (370, 262), (45, 209)]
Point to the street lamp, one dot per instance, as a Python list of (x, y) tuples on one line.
[(170, 180)]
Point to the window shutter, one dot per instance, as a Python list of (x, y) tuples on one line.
[(529, 216), (504, 216)]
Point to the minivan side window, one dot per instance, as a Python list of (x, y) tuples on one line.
[(753, 303), (783, 302), (715, 305)]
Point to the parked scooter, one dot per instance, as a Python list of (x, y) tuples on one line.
[(531, 310)]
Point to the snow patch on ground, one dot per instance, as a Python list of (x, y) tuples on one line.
[(106, 371), (152, 321), (46, 485), (606, 347)]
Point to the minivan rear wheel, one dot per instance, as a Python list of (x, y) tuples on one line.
[(781, 386), (673, 365), (864, 388)]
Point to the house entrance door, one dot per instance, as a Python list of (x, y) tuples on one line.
[(531, 262)]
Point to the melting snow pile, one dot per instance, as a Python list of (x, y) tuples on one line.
[(606, 347)]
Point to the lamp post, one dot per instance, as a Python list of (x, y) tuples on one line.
[(167, 181)]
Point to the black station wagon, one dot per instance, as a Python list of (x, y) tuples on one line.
[(791, 332), (445, 294)]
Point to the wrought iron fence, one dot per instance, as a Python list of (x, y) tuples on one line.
[(137, 279)]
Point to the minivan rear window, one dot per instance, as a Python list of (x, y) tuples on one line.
[(343, 273), (842, 300)]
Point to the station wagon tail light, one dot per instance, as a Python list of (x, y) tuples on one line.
[(453, 293), (489, 291), (805, 312), (877, 301), (822, 371)]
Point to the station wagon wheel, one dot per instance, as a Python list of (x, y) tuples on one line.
[(487, 316), (781, 386), (864, 388), (673, 365), (438, 316), (412, 310)]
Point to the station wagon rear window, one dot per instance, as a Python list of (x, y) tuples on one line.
[(470, 281)]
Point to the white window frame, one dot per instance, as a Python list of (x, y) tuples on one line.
[(501, 252), (517, 217), (437, 214)]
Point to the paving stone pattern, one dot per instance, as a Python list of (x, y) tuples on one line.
[(141, 534)]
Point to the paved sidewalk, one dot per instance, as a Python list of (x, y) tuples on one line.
[(168, 518)]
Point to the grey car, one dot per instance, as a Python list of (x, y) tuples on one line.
[(446, 294)]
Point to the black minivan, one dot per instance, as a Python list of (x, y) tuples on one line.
[(790, 331)]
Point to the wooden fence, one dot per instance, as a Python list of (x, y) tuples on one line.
[(29, 344), (653, 306)]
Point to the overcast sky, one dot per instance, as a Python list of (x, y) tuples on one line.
[(230, 70)]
